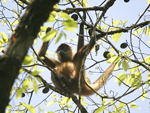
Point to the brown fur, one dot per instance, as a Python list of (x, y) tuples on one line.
[(69, 66)]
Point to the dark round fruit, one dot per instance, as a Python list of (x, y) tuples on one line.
[(48, 29), (105, 54), (123, 45), (126, 0), (45, 90), (75, 17), (23, 95)]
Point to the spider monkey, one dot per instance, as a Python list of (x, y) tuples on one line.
[(69, 66)]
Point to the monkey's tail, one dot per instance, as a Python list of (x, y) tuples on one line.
[(99, 82)]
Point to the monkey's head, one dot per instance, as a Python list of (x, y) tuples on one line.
[(64, 53)]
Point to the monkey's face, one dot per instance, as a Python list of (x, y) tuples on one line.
[(64, 53)]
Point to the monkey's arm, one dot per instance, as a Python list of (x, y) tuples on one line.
[(81, 37), (99, 82), (49, 61), (81, 34)]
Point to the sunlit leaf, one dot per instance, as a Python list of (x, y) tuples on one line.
[(9, 106), (113, 59), (56, 6), (37, 72), (125, 21), (49, 35), (27, 60), (121, 78), (136, 32), (35, 86), (29, 107), (68, 106), (58, 38), (52, 17), (65, 16), (69, 29), (83, 103), (143, 96), (51, 103), (70, 23), (5, 1), (100, 109), (54, 96), (19, 93), (134, 106), (128, 52), (4, 37), (115, 22), (85, 4), (147, 59), (116, 37), (125, 65), (25, 84), (65, 100), (4, 22), (15, 22)]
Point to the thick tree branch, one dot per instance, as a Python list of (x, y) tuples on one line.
[(36, 14)]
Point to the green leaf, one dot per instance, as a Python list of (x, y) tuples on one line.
[(147, 59), (36, 72), (8, 106), (52, 17), (136, 32), (116, 37), (65, 100), (121, 105), (143, 96), (29, 107), (25, 84), (68, 106), (83, 103), (121, 77), (113, 59), (123, 111), (58, 38), (5, 1), (65, 16), (125, 65), (50, 35), (51, 103), (134, 106), (70, 23), (125, 21), (54, 96), (100, 109), (4, 36), (27, 60), (85, 4), (15, 22), (35, 86), (69, 29), (115, 22), (19, 93), (8, 111), (128, 52)]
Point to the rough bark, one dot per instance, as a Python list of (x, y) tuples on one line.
[(23, 37)]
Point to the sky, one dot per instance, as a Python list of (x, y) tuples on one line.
[(120, 11)]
